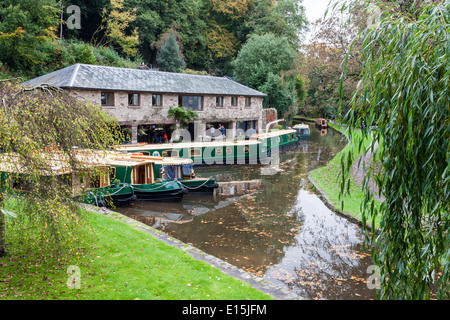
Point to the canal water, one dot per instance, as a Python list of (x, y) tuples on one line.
[(273, 226)]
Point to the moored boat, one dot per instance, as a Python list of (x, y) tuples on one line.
[(139, 173), (302, 130), (183, 171), (321, 123)]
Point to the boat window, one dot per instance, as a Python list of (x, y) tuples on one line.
[(172, 172), (145, 153), (21, 183), (196, 152), (170, 153)]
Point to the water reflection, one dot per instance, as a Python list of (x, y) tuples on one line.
[(274, 226)]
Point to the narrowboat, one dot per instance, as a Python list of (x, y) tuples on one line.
[(92, 185), (256, 149), (321, 123), (281, 139), (302, 130), (99, 190), (202, 153), (140, 174), (183, 170)]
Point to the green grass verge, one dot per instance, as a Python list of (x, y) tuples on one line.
[(328, 179), (116, 261)]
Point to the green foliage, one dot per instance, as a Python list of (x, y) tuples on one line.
[(264, 63), (41, 131), (261, 55), (183, 115), (24, 27), (284, 18), (405, 93), (300, 88), (211, 31), (278, 95), (169, 57)]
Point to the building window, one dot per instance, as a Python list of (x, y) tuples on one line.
[(157, 100), (107, 98), (248, 101), (219, 102), (194, 103), (234, 101), (133, 99)]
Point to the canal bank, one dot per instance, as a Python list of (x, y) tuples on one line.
[(258, 283), (326, 181)]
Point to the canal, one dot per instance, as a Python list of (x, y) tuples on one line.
[(273, 226)]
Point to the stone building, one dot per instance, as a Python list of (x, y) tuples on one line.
[(140, 99)]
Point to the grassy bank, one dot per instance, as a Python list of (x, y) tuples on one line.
[(116, 261), (328, 179)]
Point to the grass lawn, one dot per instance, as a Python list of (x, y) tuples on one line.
[(328, 179), (116, 261)]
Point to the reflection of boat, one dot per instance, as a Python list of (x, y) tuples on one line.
[(150, 217), (302, 130), (321, 123), (234, 188)]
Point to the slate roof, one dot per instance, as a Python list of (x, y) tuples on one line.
[(93, 77)]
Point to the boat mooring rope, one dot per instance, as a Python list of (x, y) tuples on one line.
[(192, 188)]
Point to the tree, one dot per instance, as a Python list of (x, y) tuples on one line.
[(405, 93), (279, 96), (26, 26), (261, 55), (265, 63), (322, 60), (115, 24), (300, 88), (169, 57), (42, 130), (284, 18)]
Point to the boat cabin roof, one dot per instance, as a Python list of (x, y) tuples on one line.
[(300, 126), (185, 145), (273, 134), (128, 159)]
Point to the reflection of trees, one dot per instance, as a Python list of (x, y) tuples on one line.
[(330, 262)]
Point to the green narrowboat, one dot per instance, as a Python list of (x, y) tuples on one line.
[(183, 171), (281, 139), (201, 153), (101, 190), (90, 185), (302, 130), (257, 149), (140, 174)]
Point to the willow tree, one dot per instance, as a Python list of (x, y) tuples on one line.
[(405, 95), (42, 130)]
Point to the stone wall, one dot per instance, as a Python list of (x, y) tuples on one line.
[(145, 113)]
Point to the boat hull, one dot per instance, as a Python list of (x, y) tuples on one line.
[(161, 191), (113, 196), (200, 186)]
